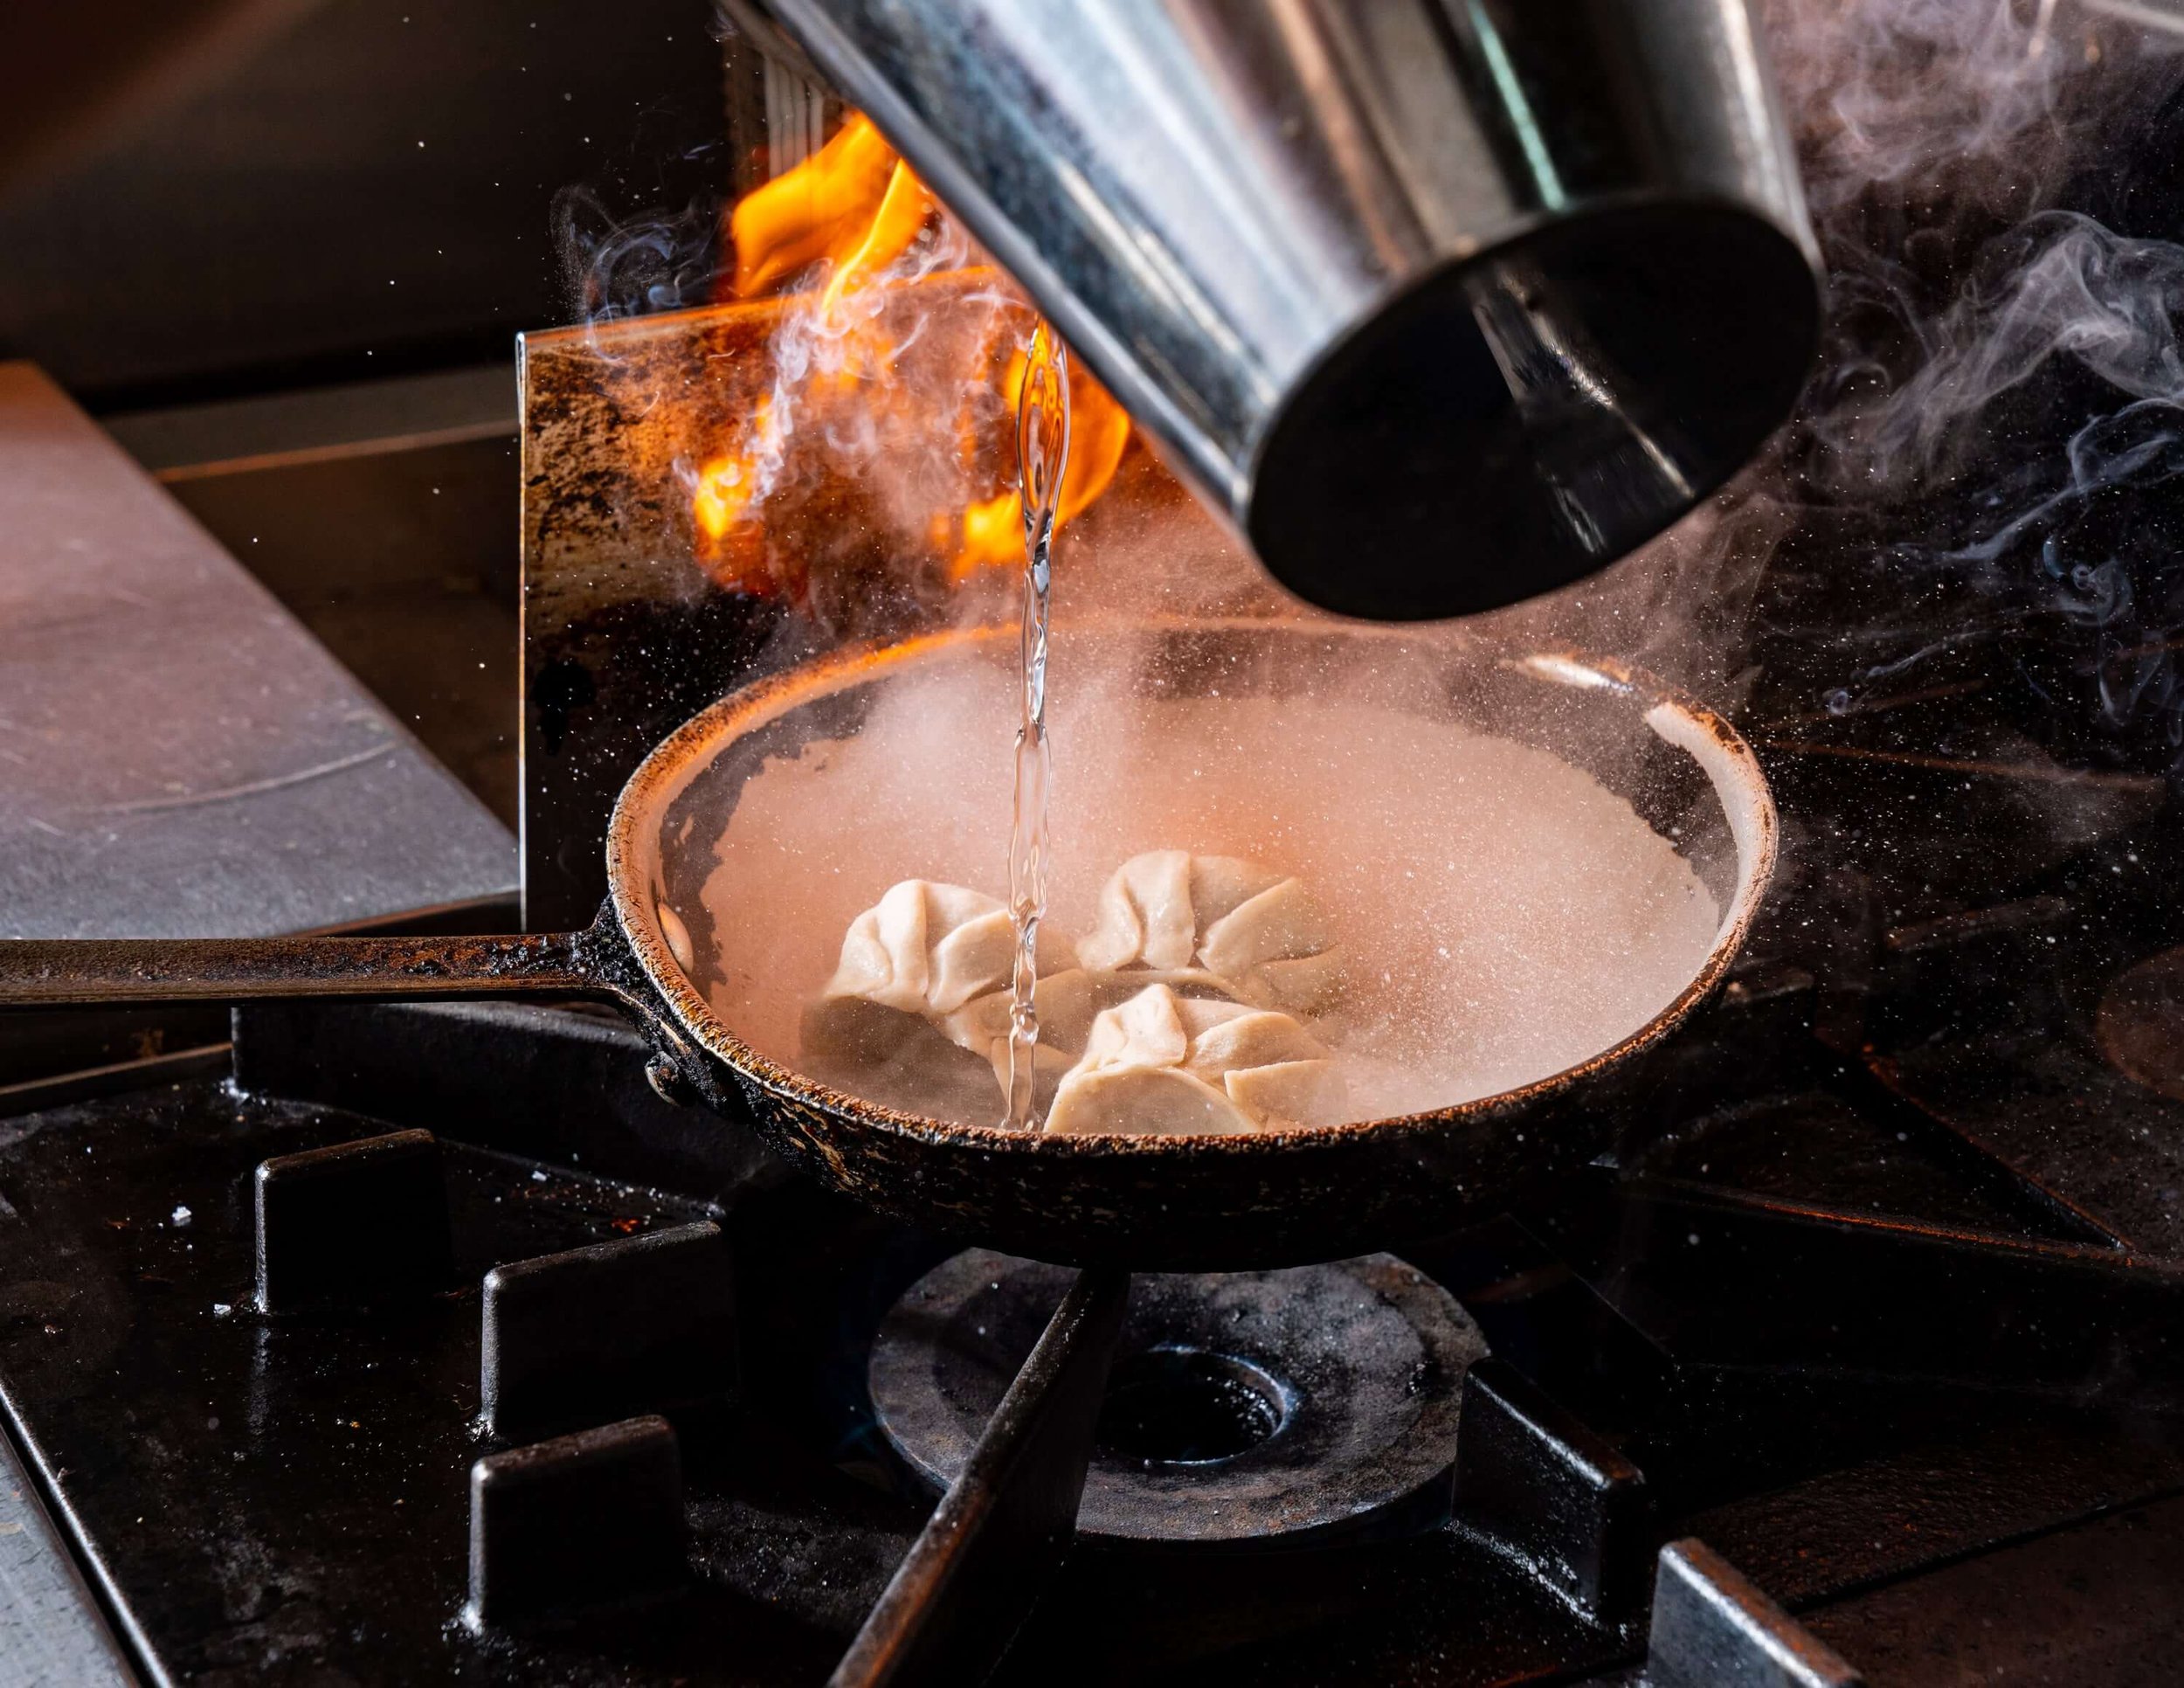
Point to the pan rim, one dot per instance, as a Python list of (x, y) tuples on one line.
[(678, 757)]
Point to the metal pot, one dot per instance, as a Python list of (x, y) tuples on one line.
[(1441, 305), (1152, 1203)]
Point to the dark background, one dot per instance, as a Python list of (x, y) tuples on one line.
[(283, 226)]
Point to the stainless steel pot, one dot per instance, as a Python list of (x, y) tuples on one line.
[(1444, 304)]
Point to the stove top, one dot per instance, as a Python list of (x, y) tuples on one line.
[(428, 1343), (1875, 1312)]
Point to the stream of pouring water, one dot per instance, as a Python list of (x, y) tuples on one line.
[(1042, 449)]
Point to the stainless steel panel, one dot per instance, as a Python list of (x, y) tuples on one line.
[(177, 757), (51, 1629)]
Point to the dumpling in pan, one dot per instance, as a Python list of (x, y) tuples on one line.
[(921, 952), (1216, 920), (1170, 1064), (925, 948), (1071, 1003), (1067, 1000)]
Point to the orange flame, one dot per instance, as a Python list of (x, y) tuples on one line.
[(726, 484), (837, 224), (824, 209), (992, 528)]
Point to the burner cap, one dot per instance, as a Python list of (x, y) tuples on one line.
[(1243, 1408)]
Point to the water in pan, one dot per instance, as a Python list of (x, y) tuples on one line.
[(1503, 915)]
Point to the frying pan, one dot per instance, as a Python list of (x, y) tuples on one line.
[(1148, 1202)]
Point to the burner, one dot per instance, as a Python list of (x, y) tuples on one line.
[(2141, 1023), (1258, 1408), (1188, 1407)]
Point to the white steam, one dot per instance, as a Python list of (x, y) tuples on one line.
[(1503, 916), (2059, 286), (1995, 358), (1943, 143), (1907, 93)]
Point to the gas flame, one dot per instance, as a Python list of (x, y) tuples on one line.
[(826, 234), (825, 209), (990, 532)]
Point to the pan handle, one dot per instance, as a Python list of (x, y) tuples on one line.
[(44, 973)]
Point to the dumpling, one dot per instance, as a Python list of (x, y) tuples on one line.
[(920, 953), (1067, 1002), (1255, 933), (922, 986), (1164, 1063), (925, 948)]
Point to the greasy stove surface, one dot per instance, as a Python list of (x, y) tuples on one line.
[(285, 1498)]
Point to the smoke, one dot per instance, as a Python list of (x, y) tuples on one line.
[(2012, 397), (2001, 362), (2058, 286), (614, 267), (1942, 141), (622, 247)]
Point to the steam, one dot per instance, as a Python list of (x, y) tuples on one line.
[(1916, 95), (1939, 139), (2000, 382), (1502, 915), (2059, 286), (1998, 361), (2004, 379), (2002, 373)]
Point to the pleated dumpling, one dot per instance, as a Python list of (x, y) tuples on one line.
[(1066, 1001), (1169, 1064), (913, 959), (925, 948), (1257, 934)]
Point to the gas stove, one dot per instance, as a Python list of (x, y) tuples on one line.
[(420, 1343)]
